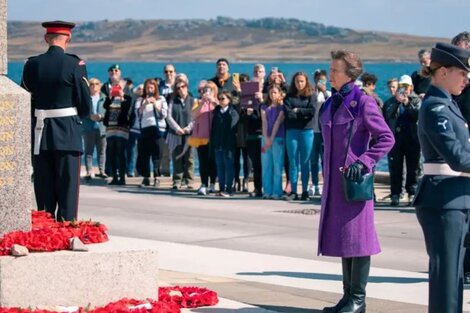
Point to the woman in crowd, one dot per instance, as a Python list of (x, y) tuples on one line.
[(272, 158), (202, 113), (180, 121), (322, 94), (116, 120), (299, 111), (347, 227), (133, 157), (151, 108), (241, 149), (443, 197), (223, 141), (94, 132)]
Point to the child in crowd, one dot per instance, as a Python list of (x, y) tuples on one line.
[(223, 141), (272, 157)]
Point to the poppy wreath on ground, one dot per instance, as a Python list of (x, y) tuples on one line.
[(170, 300), (48, 235), (188, 297)]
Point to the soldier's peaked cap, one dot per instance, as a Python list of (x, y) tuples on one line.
[(447, 54), (58, 27)]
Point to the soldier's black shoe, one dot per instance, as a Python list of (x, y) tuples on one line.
[(395, 200)]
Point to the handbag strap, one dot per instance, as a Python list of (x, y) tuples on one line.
[(355, 112)]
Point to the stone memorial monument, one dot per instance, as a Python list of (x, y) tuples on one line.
[(15, 145), (108, 272)]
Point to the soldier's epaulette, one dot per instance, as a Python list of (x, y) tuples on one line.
[(80, 61)]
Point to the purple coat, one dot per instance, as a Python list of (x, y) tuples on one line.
[(347, 228)]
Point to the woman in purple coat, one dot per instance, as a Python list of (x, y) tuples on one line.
[(347, 228)]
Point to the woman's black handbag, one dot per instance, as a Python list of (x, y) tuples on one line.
[(361, 190)]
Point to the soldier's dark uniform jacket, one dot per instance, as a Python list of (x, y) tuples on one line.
[(444, 136), (57, 80), (443, 197), (60, 95)]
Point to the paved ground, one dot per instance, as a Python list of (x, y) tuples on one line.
[(259, 255)]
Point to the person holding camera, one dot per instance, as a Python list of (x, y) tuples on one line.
[(149, 109), (401, 114), (319, 79)]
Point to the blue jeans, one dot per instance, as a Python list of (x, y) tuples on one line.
[(273, 162), (131, 152), (224, 161), (299, 147), (317, 154)]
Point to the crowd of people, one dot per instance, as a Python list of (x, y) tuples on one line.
[(140, 130)]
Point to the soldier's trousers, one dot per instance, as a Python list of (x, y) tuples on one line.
[(444, 233), (57, 182), (405, 148)]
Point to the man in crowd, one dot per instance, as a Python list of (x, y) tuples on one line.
[(401, 114), (166, 85), (224, 80), (421, 83), (94, 132), (115, 79), (392, 85), (369, 82), (58, 85)]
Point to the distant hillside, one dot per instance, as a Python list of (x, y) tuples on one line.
[(200, 40)]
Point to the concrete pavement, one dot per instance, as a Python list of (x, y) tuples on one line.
[(255, 282)]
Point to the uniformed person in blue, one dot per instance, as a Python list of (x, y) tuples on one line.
[(60, 96), (443, 198)]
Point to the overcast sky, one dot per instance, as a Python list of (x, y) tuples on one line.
[(443, 18)]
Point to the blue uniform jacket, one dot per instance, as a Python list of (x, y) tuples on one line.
[(444, 137)]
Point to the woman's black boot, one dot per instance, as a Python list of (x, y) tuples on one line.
[(359, 277), (346, 262)]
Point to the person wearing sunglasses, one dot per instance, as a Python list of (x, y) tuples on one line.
[(180, 123), (94, 132), (166, 85)]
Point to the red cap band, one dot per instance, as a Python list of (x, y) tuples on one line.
[(58, 30)]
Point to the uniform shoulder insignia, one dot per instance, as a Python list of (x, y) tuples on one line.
[(73, 55), (82, 62), (86, 81), (442, 124), (438, 108)]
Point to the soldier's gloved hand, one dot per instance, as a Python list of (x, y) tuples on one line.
[(354, 171)]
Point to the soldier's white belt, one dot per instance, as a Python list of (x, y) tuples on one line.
[(441, 169), (41, 115)]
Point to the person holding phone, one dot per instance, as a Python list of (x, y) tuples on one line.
[(319, 79), (225, 81), (401, 114), (150, 108)]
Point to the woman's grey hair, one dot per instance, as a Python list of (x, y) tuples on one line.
[(352, 61)]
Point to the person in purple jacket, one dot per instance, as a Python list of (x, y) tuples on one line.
[(347, 228)]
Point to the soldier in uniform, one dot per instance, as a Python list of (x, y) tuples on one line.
[(443, 198), (59, 91)]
